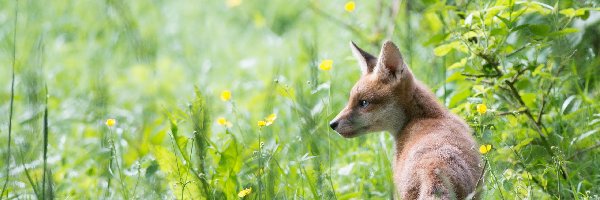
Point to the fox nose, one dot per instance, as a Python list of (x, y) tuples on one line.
[(333, 125)]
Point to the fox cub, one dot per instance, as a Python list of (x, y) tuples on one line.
[(436, 156)]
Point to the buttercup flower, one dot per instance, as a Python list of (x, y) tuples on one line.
[(483, 149), (244, 192), (326, 65), (110, 122), (350, 6), (225, 95), (262, 123), (223, 122), (481, 108)]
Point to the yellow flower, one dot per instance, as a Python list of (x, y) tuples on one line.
[(481, 108), (110, 122), (233, 3), (223, 122), (262, 123), (483, 149), (349, 7), (326, 64), (270, 119), (225, 95), (244, 192)]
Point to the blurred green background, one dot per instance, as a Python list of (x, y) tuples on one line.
[(159, 68)]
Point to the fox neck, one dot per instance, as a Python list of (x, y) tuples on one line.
[(419, 104)]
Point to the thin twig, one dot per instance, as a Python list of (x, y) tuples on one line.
[(480, 180), (514, 113), (535, 180), (538, 127), (481, 75), (544, 102), (518, 50), (577, 153)]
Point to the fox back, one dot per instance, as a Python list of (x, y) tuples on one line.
[(436, 156)]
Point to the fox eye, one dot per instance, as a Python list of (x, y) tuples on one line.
[(363, 103)]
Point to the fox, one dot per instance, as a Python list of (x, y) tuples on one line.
[(435, 153)]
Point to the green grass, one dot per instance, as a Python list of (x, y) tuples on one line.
[(159, 67)]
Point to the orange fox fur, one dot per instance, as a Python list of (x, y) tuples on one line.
[(436, 156)]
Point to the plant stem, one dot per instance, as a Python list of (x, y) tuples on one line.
[(45, 156), (12, 98)]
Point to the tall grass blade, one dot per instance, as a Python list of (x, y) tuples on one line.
[(45, 145), (12, 98)]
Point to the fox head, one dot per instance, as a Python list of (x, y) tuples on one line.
[(377, 101)]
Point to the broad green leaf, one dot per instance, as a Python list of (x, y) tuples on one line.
[(459, 97), (539, 29), (538, 70), (159, 137), (523, 143), (286, 92), (570, 12), (532, 7), (230, 158), (229, 166), (565, 31), (457, 76), (175, 171), (493, 11), (434, 22), (442, 50), (436, 39), (152, 169), (529, 99), (458, 64)]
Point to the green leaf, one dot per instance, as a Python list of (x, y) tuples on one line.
[(442, 50), (458, 64), (229, 159), (285, 91), (539, 29), (436, 39), (455, 77), (229, 166), (570, 12), (459, 97), (159, 137), (529, 99), (566, 103), (182, 142), (563, 32), (174, 170), (151, 170), (584, 135), (504, 20), (523, 143), (434, 22)]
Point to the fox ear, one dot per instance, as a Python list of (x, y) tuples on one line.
[(390, 63), (366, 61)]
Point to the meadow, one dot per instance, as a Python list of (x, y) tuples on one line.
[(232, 99)]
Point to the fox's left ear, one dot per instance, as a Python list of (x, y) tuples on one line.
[(365, 60), (390, 63)]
